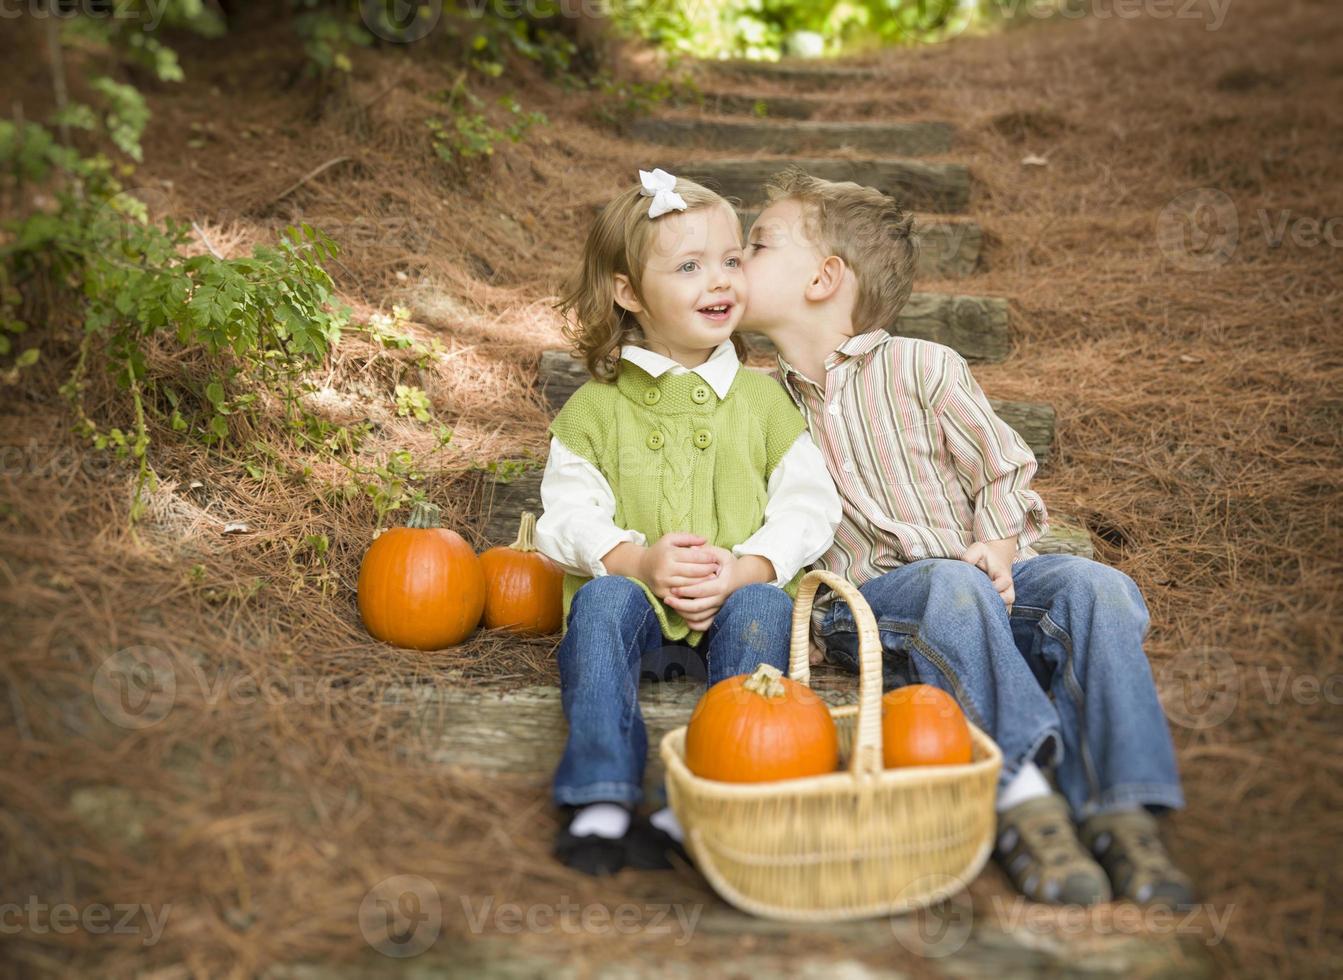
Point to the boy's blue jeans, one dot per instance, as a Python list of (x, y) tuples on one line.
[(1062, 681), (611, 626)]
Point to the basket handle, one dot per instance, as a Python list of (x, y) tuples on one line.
[(867, 735)]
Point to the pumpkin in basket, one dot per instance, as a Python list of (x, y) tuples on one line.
[(758, 728), (922, 725), (420, 586), (524, 590)]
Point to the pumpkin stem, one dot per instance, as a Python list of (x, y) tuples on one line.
[(526, 533), (767, 681), (424, 514)]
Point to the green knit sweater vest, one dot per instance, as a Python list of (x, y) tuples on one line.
[(679, 458)]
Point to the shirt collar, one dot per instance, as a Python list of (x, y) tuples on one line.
[(717, 372), (855, 346)]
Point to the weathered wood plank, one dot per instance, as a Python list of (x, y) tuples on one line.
[(751, 135), (521, 731), (560, 374), (985, 937), (948, 249), (762, 106), (976, 327), (1066, 536), (505, 502), (798, 74), (940, 187)]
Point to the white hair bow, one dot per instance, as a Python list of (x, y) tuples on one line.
[(661, 187)]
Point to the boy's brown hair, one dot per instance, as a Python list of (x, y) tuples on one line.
[(869, 230), (618, 243)]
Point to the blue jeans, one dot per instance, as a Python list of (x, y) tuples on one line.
[(612, 626), (1063, 681)]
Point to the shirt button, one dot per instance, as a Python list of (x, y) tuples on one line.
[(833, 408), (846, 466), (703, 438), (652, 396), (700, 395), (654, 440)]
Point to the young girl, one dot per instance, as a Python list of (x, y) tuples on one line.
[(682, 496)]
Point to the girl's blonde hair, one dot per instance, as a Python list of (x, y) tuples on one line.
[(618, 244)]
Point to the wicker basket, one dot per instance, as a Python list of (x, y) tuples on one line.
[(859, 842)]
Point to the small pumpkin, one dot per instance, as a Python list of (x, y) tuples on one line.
[(421, 586), (760, 727), (922, 725), (524, 590)]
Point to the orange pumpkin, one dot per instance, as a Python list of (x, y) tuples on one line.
[(922, 725), (760, 727), (420, 586), (524, 590)]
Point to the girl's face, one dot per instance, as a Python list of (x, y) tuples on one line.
[(693, 287)]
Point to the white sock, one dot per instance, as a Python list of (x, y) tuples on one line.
[(1027, 784), (665, 821), (609, 820)]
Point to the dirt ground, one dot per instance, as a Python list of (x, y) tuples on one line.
[(1194, 356)]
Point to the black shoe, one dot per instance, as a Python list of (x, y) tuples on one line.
[(650, 849), (590, 854)]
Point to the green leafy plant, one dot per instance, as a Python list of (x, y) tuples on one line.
[(468, 132)]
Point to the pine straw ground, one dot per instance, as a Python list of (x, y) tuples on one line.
[(1199, 426)]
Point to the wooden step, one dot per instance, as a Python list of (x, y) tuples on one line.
[(762, 106), (520, 731), (982, 934), (948, 249), (560, 374), (802, 74), (976, 327), (500, 504), (939, 187), (751, 135)]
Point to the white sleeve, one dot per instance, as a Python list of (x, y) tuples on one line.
[(577, 524), (801, 513)]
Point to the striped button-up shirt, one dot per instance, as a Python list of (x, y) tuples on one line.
[(923, 465)]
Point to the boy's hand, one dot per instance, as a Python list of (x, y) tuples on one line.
[(675, 560), (994, 558)]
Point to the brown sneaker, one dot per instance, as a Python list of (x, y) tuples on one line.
[(1038, 848), (1128, 846)]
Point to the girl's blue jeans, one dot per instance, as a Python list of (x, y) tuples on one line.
[(611, 627), (1062, 681)]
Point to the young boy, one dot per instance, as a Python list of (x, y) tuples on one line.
[(1043, 652)]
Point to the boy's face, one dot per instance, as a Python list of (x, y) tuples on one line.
[(781, 261)]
